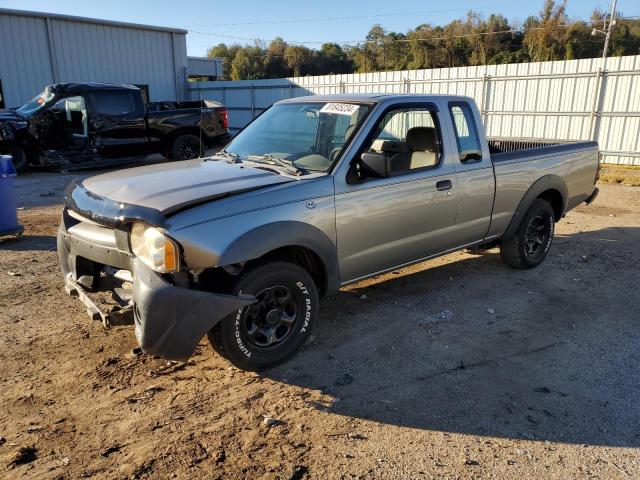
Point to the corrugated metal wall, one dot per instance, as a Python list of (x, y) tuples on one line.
[(211, 67), (36, 51), (565, 100)]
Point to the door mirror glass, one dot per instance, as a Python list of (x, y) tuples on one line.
[(376, 164)]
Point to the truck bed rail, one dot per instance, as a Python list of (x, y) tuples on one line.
[(502, 145)]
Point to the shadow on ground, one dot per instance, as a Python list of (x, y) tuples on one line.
[(476, 347), (26, 243)]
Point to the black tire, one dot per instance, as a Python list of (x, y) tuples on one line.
[(187, 147), (20, 159), (529, 246), (270, 331)]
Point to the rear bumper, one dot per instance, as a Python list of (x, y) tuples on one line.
[(169, 320), (593, 196)]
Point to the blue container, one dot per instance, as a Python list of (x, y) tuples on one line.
[(8, 213)]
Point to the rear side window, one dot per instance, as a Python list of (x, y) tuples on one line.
[(469, 147), (115, 103)]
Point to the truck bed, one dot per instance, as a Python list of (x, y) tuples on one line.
[(518, 163)]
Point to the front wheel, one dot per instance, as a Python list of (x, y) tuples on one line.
[(529, 246), (271, 330)]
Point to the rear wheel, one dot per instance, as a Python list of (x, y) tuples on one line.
[(529, 246), (19, 156), (269, 331), (187, 147)]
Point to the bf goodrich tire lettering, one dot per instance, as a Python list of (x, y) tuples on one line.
[(232, 336)]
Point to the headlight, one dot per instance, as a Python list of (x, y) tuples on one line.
[(155, 250)]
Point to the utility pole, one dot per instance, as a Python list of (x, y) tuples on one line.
[(606, 29)]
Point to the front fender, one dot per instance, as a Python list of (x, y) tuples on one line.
[(285, 234), (244, 237)]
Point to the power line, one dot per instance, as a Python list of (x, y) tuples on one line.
[(354, 17), (418, 39)]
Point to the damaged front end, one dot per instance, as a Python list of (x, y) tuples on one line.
[(98, 264)]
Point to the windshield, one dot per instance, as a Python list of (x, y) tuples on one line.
[(37, 103), (307, 136)]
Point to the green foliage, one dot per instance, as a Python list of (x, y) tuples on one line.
[(473, 40)]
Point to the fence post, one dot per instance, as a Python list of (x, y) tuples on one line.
[(484, 100), (224, 96), (597, 101), (407, 85), (342, 87), (253, 102)]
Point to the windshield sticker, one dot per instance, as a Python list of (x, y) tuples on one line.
[(340, 108)]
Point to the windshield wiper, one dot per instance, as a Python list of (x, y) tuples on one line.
[(273, 160)]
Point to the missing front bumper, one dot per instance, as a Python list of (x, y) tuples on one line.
[(169, 320)]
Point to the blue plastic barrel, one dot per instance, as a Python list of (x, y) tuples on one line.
[(8, 213)]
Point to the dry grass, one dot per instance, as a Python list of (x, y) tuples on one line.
[(625, 174)]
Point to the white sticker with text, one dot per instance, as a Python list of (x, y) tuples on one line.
[(340, 108)]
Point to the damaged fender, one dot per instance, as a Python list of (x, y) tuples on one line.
[(171, 321)]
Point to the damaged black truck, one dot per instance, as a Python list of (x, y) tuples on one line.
[(84, 125)]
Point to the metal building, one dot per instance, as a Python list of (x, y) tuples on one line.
[(37, 49), (204, 69)]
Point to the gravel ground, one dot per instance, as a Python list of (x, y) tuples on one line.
[(460, 367)]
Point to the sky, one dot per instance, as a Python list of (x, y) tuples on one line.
[(308, 22)]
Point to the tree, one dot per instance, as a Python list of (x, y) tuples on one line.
[(294, 56), (472, 40), (241, 66), (221, 51), (544, 37)]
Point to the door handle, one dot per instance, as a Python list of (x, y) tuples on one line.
[(444, 185)]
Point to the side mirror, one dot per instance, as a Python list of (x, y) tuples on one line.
[(470, 155), (378, 164)]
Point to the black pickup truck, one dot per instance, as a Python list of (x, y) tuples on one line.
[(79, 125)]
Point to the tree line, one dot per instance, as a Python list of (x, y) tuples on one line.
[(473, 40)]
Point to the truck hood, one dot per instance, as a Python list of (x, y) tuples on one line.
[(164, 188)]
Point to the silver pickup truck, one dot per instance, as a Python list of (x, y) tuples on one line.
[(316, 193)]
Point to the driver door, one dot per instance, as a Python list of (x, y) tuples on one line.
[(383, 223), (63, 127)]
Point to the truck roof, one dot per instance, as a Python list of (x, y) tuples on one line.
[(73, 88), (371, 97)]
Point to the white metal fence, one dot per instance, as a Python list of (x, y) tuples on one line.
[(564, 100)]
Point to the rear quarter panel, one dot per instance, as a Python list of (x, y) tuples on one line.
[(576, 166)]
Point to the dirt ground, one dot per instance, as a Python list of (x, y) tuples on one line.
[(460, 367)]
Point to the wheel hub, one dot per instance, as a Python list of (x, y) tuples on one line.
[(273, 317), (536, 236), (269, 321)]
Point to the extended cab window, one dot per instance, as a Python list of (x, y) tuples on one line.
[(469, 147), (115, 103), (409, 137)]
